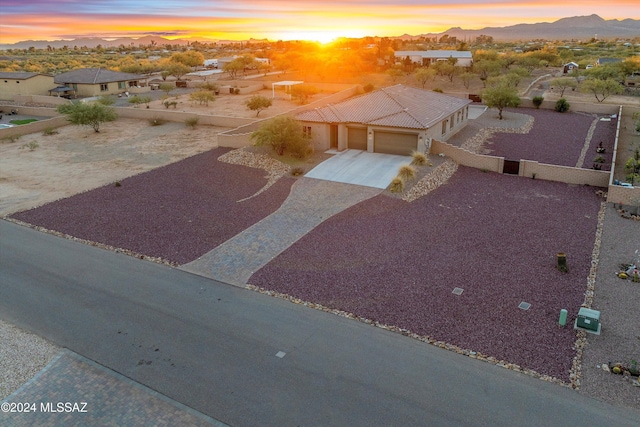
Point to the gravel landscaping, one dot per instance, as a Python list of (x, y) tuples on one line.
[(494, 236), (557, 139), (175, 213)]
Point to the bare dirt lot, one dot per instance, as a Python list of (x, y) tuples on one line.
[(77, 159)]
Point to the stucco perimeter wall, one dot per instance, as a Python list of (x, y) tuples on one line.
[(39, 126), (528, 168), (179, 116), (240, 137), (567, 174), (39, 99), (585, 107), (467, 158)]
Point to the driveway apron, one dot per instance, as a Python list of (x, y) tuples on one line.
[(310, 203)]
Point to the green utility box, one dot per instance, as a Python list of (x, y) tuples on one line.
[(588, 319)]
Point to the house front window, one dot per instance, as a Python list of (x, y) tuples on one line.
[(104, 87), (306, 131), (444, 127), (122, 85)]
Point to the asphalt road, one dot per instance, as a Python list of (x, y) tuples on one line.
[(213, 347)]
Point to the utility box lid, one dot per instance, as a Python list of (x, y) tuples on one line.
[(589, 313)]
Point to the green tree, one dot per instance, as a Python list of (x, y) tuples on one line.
[(467, 78), (203, 96), (423, 75), (601, 89), (632, 167), (233, 68), (394, 73), (563, 83), (282, 133), (500, 95), (94, 114), (177, 70), (167, 87), (190, 58), (258, 103), (302, 93), (485, 69)]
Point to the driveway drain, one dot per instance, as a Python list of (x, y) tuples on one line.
[(457, 291)]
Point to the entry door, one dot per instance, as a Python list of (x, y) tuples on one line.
[(333, 136)]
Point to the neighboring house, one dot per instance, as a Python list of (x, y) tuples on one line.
[(393, 120), (569, 68), (427, 57), (604, 61), (98, 81), (23, 83)]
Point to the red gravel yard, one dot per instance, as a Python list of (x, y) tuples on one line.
[(494, 236), (177, 212)]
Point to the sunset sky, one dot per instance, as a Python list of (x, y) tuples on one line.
[(320, 20)]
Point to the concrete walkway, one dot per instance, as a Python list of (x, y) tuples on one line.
[(311, 202)]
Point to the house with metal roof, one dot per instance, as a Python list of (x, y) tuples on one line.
[(23, 83), (393, 120), (99, 81), (428, 57)]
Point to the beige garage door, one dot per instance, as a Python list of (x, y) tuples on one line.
[(357, 138), (395, 143)]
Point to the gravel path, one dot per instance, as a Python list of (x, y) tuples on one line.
[(22, 355)]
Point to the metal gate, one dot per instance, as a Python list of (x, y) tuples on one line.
[(511, 167)]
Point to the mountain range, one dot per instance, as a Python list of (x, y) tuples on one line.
[(574, 28)]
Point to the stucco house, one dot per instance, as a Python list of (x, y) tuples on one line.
[(24, 83), (393, 120), (98, 81), (427, 57)]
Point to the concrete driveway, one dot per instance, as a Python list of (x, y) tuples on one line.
[(360, 168)]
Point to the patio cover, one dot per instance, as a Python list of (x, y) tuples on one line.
[(286, 84)]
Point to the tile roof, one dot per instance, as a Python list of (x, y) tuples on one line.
[(95, 76), (396, 106)]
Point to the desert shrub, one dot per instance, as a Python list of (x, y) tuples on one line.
[(537, 101), (438, 90), (407, 172), (31, 145), (283, 133), (210, 86), (419, 158), (155, 121), (50, 131), (135, 100), (368, 87), (562, 105), (106, 100), (202, 97), (236, 91), (168, 104), (297, 171), (12, 138), (397, 185), (191, 122)]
